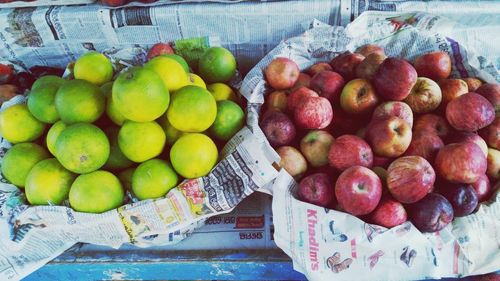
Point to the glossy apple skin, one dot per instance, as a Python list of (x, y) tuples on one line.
[(296, 97), (479, 112), (367, 68), (345, 64), (431, 214), (389, 213), (313, 113), (410, 178), (349, 150), (483, 188), (491, 134), (282, 73), (461, 162), (394, 79), (318, 67), (433, 65), (462, 197), (304, 80), (425, 96), (493, 160), (277, 100), (328, 84), (317, 189), (315, 147), (160, 49), (278, 128), (432, 124), (389, 137), (461, 136), (369, 49), (425, 145), (358, 97), (394, 108), (292, 161), (473, 83), (492, 93), (451, 89), (358, 190)]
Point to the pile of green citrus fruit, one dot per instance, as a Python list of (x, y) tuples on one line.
[(85, 139)]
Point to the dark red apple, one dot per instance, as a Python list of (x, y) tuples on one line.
[(381, 161), (394, 108), (358, 97), (473, 83), (313, 113), (317, 189), (278, 128), (277, 100), (315, 147), (425, 145), (296, 97), (367, 68), (492, 93), (303, 81), (344, 123), (394, 79), (433, 65), (292, 161), (349, 150), (462, 197), (482, 187), (389, 136), (425, 96), (345, 64), (369, 49), (431, 214), (358, 190), (470, 112), (328, 84), (318, 67), (389, 213), (491, 134), (451, 89), (433, 124), (282, 73), (160, 49), (410, 178), (461, 162), (6, 73)]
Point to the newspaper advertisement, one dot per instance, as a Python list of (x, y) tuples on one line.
[(326, 244)]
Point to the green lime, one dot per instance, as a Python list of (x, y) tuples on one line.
[(217, 64), (230, 119)]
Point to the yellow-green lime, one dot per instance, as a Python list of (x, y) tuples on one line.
[(47, 80), (192, 109), (153, 179), (117, 159), (139, 95), (179, 59), (93, 67), (221, 91), (196, 80), (170, 71), (82, 148), (230, 119), (19, 160), (217, 64), (141, 141), (52, 135), (79, 101), (41, 103), (96, 192), (48, 183), (193, 155), (17, 124)]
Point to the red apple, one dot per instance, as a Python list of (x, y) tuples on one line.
[(346, 63), (410, 178), (433, 65), (328, 84), (461, 162), (160, 49), (389, 213), (358, 190), (491, 134), (394, 108), (358, 97), (6, 73), (317, 189), (282, 73), (425, 145), (369, 49), (343, 123), (114, 3), (381, 161), (7, 91), (303, 81), (492, 93), (461, 136), (425, 96), (296, 97), (394, 79), (470, 112), (318, 67), (292, 161), (451, 89), (278, 128), (349, 150), (313, 113), (277, 100), (431, 214), (389, 136), (367, 68), (473, 83), (433, 124), (315, 147), (482, 187), (493, 170)]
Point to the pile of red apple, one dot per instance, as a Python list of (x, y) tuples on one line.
[(117, 3), (385, 139)]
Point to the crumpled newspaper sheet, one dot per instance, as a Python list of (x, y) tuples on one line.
[(326, 244)]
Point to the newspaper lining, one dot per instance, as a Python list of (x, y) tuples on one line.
[(326, 244)]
